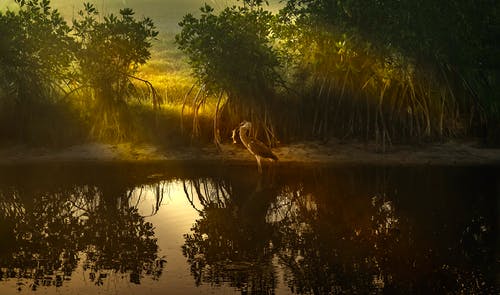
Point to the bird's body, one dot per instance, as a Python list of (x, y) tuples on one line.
[(254, 146)]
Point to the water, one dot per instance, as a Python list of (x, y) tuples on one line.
[(152, 229)]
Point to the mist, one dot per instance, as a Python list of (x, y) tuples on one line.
[(166, 14)]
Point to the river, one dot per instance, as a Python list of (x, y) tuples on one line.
[(97, 228)]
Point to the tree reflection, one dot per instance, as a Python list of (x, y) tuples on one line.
[(48, 233), (231, 241), (326, 246), (340, 237), (331, 232), (317, 231), (41, 241)]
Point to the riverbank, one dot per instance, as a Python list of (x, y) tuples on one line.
[(451, 153)]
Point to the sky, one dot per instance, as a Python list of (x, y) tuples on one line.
[(165, 13)]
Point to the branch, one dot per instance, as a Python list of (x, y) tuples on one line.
[(156, 102)]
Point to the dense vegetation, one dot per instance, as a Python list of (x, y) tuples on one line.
[(61, 84), (384, 71)]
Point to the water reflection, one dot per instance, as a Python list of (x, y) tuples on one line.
[(231, 241), (47, 234), (364, 230), (346, 232)]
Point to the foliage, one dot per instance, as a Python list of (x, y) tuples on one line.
[(110, 51), (389, 71), (108, 55), (35, 55), (425, 70), (231, 53), (458, 31), (383, 71), (35, 50)]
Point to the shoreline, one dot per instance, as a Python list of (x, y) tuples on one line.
[(452, 153)]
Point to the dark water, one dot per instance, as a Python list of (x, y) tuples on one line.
[(150, 229)]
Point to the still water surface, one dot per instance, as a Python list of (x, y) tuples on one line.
[(150, 229)]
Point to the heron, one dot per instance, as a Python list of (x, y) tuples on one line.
[(256, 147)]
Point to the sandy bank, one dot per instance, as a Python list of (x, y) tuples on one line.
[(309, 153)]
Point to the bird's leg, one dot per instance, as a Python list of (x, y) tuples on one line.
[(258, 164), (233, 136)]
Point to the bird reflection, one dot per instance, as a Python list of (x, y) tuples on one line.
[(317, 231), (327, 234), (230, 242)]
